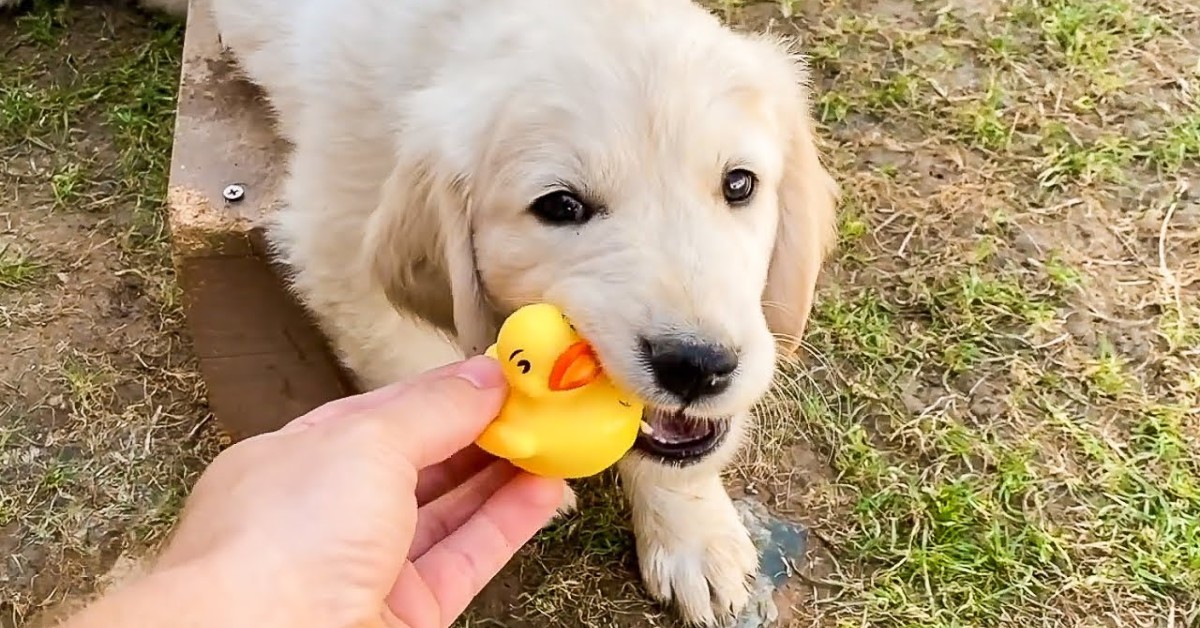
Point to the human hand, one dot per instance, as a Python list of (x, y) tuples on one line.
[(361, 512)]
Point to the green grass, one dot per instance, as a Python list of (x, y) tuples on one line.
[(986, 123), (1008, 399), (1070, 159), (1178, 144), (956, 522), (17, 269), (100, 399)]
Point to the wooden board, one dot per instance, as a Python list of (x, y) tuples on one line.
[(262, 359)]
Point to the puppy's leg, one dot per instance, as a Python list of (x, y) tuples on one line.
[(692, 547)]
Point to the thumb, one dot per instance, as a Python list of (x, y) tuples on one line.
[(440, 414)]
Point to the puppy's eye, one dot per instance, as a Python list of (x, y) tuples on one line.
[(561, 208), (738, 186)]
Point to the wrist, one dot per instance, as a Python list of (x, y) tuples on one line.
[(215, 590)]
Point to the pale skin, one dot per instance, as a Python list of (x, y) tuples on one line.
[(370, 511)]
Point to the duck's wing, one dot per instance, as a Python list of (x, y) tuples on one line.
[(502, 440)]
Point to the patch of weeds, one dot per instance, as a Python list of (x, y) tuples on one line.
[(1087, 34), (1180, 327), (947, 24), (1062, 275), (22, 107), (1144, 508), (134, 92), (899, 90), (45, 23), (89, 383), (981, 303), (962, 355), (950, 549), (66, 184), (143, 123), (1178, 144), (1001, 49), (977, 316), (58, 477), (599, 528), (587, 549), (833, 107), (985, 249), (1067, 159), (1106, 373), (35, 109), (985, 122), (851, 229), (17, 269), (1158, 438), (861, 326), (856, 25)]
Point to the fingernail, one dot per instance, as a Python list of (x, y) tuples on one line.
[(483, 372)]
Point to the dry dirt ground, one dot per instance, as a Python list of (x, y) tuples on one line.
[(998, 420)]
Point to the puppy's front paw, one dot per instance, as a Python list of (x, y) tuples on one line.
[(569, 502), (703, 567), (568, 505)]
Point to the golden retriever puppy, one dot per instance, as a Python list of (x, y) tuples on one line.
[(634, 162)]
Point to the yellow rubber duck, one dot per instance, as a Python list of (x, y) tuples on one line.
[(564, 418)]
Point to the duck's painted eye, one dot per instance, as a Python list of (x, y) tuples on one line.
[(524, 365)]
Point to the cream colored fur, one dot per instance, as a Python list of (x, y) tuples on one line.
[(423, 129)]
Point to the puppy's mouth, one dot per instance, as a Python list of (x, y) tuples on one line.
[(674, 436)]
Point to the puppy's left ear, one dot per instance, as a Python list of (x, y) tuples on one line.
[(806, 232), (419, 247)]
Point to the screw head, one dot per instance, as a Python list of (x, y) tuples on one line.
[(234, 192)]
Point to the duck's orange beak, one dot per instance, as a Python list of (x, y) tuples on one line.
[(576, 367)]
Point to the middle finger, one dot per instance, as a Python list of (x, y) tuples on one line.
[(441, 517)]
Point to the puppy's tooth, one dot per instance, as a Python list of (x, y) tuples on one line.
[(646, 429)]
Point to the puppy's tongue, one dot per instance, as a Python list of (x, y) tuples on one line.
[(673, 428)]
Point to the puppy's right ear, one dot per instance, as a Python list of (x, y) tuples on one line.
[(418, 248), (808, 198)]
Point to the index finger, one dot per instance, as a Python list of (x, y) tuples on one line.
[(358, 403), (436, 480), (434, 418)]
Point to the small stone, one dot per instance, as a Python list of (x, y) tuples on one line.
[(1079, 325), (1027, 245), (1193, 191)]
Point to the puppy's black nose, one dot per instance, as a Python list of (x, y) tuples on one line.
[(688, 368)]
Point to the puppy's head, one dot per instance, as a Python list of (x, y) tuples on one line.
[(662, 188)]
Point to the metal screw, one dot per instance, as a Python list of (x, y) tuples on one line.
[(234, 192)]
